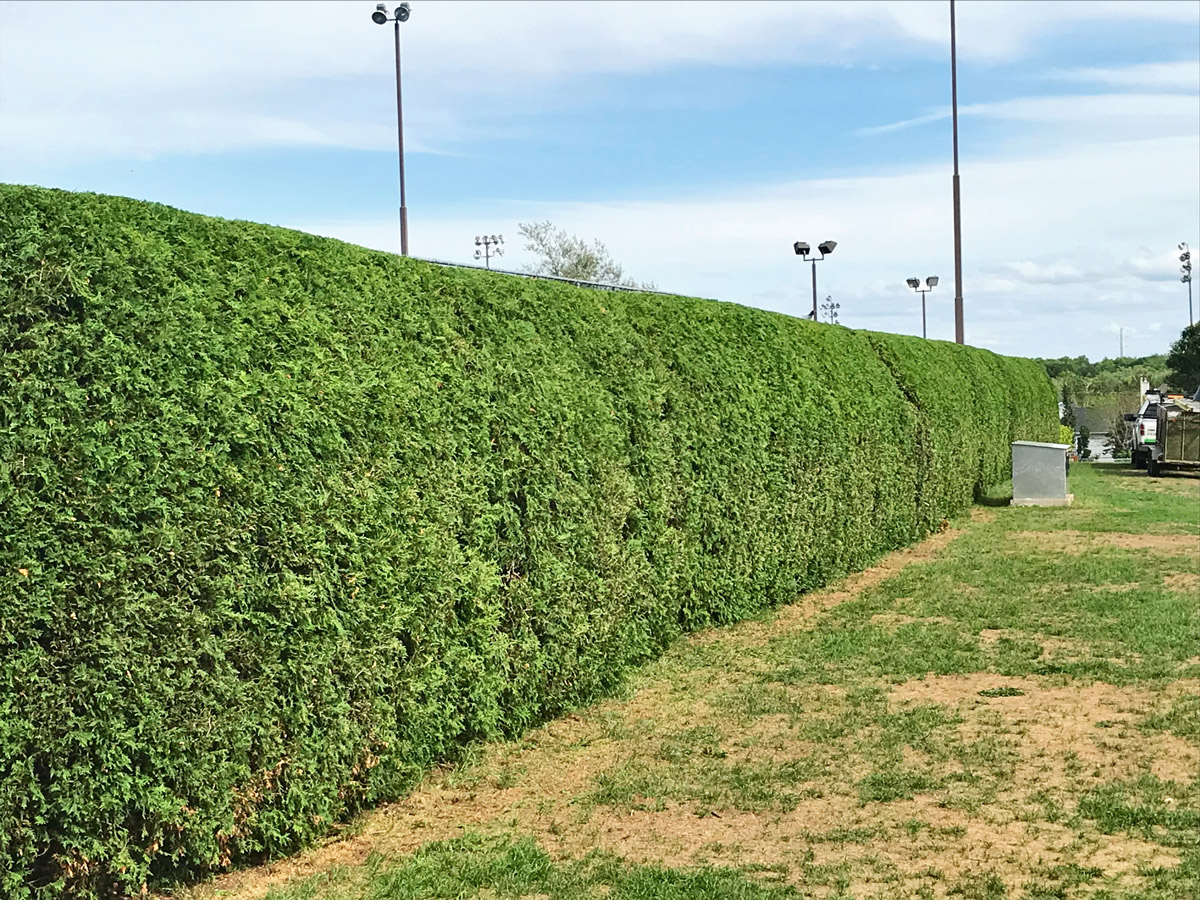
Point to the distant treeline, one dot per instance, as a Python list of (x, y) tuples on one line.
[(1090, 384)]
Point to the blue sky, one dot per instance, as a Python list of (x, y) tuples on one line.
[(697, 140)]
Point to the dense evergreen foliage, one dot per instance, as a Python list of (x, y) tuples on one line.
[(1184, 360), (284, 521)]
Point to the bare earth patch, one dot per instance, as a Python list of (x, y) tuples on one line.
[(1070, 541), (1090, 727), (1183, 582)]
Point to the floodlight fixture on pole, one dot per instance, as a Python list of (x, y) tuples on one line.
[(380, 17), (803, 250), (1185, 267), (915, 284), (489, 246), (959, 329)]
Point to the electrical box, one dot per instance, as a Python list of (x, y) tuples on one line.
[(1039, 474)]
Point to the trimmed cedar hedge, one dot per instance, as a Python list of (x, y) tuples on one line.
[(284, 521)]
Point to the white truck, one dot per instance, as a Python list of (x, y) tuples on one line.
[(1144, 425)]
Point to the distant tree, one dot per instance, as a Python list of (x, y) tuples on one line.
[(1184, 360), (1120, 437), (1081, 442), (1068, 405), (568, 256)]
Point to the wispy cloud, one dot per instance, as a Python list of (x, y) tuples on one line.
[(1100, 116), (1161, 76)]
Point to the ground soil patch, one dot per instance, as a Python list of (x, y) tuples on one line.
[(1071, 541)]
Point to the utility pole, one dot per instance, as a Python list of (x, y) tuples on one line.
[(1185, 268), (958, 293), (1122, 345)]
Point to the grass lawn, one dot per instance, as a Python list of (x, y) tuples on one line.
[(1009, 710)]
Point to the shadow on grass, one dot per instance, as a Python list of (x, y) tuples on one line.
[(1111, 469), (993, 501), (1124, 469)]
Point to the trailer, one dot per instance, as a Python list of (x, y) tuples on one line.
[(1177, 437)]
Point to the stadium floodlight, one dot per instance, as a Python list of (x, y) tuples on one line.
[(491, 246), (380, 17), (915, 284), (803, 250)]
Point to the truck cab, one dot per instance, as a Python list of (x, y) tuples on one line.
[(1145, 428)]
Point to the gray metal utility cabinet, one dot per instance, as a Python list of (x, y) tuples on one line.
[(1039, 474)]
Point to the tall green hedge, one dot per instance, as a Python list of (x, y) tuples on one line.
[(283, 521)]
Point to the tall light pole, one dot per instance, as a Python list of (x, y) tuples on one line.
[(1185, 267), (380, 17), (489, 246), (802, 249), (930, 284), (958, 297)]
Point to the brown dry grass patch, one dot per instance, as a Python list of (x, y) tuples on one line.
[(539, 786), (1183, 582), (1071, 541)]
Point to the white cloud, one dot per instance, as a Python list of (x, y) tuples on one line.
[(1160, 76), (133, 68)]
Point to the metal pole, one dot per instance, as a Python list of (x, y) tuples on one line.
[(923, 334), (958, 297), (400, 140), (1122, 344), (1191, 321), (814, 312)]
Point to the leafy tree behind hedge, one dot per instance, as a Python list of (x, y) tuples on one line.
[(1184, 360), (284, 521)]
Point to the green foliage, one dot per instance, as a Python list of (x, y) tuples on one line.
[(284, 521), (1184, 360), (1067, 402), (1106, 376), (501, 867), (969, 406)]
